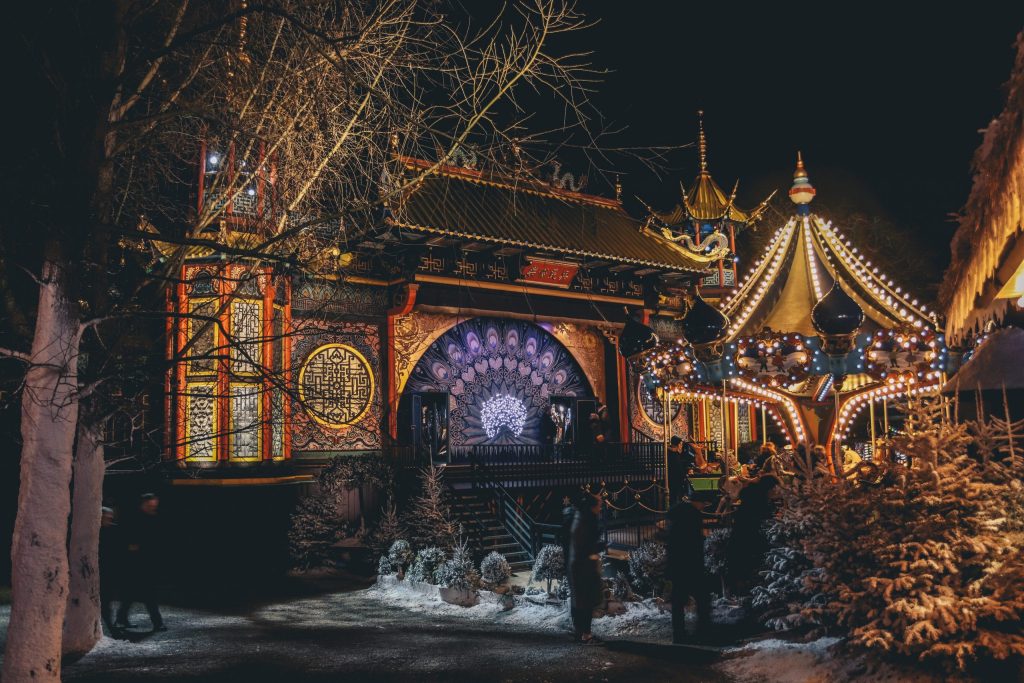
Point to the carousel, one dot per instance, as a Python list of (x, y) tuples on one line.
[(814, 346)]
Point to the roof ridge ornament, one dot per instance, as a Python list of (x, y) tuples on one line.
[(702, 143)]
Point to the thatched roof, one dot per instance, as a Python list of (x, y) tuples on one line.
[(992, 220)]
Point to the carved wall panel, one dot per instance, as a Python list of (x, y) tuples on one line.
[(338, 368)]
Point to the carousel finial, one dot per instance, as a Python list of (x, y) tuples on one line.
[(802, 191)]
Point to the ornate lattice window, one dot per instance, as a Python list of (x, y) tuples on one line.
[(246, 422), (200, 422), (228, 389), (202, 334), (743, 417), (246, 332)]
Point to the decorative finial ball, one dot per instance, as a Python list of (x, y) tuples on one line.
[(802, 191)]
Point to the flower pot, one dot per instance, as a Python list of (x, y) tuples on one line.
[(462, 597)]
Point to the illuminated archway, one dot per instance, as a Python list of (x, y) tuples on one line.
[(490, 365)]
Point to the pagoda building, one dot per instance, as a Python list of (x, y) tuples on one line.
[(813, 335), (477, 303), (704, 211)]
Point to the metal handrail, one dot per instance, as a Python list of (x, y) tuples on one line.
[(511, 514)]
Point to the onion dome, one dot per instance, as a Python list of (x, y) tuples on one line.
[(802, 191), (636, 338), (837, 314), (703, 323)]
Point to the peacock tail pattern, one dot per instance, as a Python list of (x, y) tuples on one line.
[(483, 358)]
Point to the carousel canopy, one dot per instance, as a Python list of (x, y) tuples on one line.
[(804, 261)]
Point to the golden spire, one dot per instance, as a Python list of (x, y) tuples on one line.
[(800, 172), (702, 143)]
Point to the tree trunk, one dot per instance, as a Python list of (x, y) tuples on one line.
[(82, 627), (49, 413)]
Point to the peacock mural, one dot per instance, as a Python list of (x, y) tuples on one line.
[(500, 375)]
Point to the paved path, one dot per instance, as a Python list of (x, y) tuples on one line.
[(351, 636)]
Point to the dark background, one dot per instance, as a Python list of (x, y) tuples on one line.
[(885, 102)]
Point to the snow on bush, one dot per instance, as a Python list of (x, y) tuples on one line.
[(647, 566), (495, 570), (620, 588), (400, 554), (384, 566), (564, 592), (549, 565), (426, 564), (458, 572)]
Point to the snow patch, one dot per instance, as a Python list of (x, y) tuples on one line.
[(789, 662), (643, 620)]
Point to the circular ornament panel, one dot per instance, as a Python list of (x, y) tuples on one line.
[(336, 385)]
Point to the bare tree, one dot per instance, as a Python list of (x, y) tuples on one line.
[(310, 101)]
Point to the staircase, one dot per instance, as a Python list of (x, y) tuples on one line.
[(475, 511)]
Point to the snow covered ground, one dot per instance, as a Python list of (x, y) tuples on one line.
[(641, 620), (362, 635), (403, 633)]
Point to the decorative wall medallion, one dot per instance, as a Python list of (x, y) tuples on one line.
[(336, 385), (654, 407)]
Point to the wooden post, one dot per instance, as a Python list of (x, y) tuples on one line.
[(725, 447), (871, 416), (666, 423), (764, 425), (885, 417)]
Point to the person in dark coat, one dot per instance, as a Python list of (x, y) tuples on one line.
[(585, 567), (142, 565), (747, 544), (565, 533), (686, 564), (111, 559), (678, 483)]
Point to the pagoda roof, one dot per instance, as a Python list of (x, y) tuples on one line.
[(524, 213), (802, 261), (706, 201)]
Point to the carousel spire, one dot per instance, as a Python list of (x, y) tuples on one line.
[(802, 191)]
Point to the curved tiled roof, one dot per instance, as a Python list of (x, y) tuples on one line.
[(468, 204)]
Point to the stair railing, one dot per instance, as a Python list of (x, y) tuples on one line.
[(513, 516)]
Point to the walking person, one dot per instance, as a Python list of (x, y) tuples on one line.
[(111, 565), (142, 565), (678, 467), (747, 544), (585, 567), (686, 565)]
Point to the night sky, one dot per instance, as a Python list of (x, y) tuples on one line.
[(885, 107)]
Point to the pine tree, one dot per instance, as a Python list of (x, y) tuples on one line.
[(430, 517), (315, 528), (389, 529), (921, 562), (459, 572), (549, 565)]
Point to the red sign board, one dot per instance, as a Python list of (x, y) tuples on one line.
[(553, 273)]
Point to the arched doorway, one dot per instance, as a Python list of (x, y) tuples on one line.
[(493, 382)]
